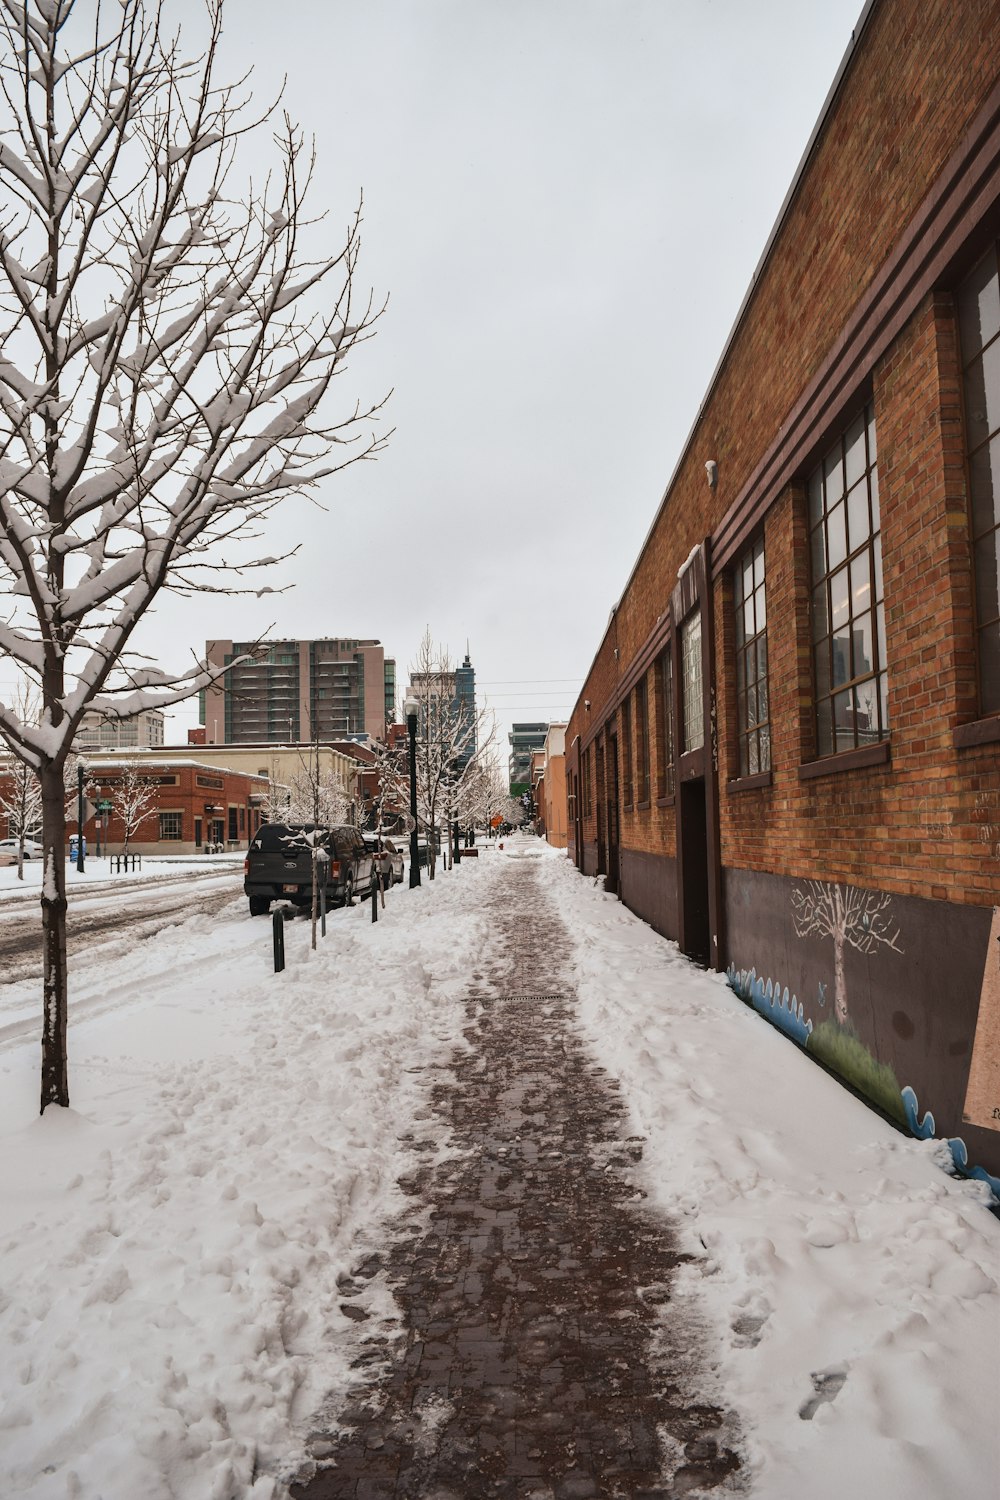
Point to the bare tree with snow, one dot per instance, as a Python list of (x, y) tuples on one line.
[(852, 917), (450, 737), (134, 799), (167, 340), (483, 793), (20, 789)]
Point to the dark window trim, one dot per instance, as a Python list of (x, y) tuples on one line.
[(847, 760), (643, 806), (979, 732), (750, 783), (668, 801)]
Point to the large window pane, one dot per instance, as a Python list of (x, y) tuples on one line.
[(982, 396), (988, 577), (854, 450), (836, 535), (979, 306), (984, 487)]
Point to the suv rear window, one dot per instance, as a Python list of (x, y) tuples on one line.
[(281, 838)]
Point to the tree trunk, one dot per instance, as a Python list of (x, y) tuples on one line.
[(55, 1080), (839, 982)]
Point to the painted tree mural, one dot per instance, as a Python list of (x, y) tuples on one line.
[(853, 918)]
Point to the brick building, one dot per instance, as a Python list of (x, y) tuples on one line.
[(195, 804), (786, 754)]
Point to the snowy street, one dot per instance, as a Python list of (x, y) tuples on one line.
[(178, 1249), (100, 906)]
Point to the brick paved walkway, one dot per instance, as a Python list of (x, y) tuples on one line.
[(538, 1358)]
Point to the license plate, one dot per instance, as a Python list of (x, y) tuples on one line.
[(289, 888)]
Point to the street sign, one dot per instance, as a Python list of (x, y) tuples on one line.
[(88, 810), (104, 805)]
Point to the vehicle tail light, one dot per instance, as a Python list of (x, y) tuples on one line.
[(246, 865), (335, 869)]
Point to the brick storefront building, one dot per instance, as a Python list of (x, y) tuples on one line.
[(195, 804), (787, 752)]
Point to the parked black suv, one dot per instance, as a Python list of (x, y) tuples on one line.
[(278, 866)]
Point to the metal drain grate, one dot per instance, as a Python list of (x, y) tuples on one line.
[(531, 997)]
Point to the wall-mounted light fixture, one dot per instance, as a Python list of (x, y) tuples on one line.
[(586, 704), (712, 471)]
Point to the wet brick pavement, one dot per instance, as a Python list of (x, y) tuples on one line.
[(538, 1356)]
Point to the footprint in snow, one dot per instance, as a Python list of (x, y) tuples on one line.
[(826, 1386)]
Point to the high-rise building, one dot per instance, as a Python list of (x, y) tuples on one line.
[(141, 730), (524, 739), (295, 691), (454, 693)]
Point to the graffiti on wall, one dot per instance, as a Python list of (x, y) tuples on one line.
[(986, 817), (853, 918), (862, 920)]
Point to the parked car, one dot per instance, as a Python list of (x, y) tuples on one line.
[(32, 849), (278, 866), (391, 857)]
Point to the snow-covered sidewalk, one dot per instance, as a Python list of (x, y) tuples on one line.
[(169, 1315)]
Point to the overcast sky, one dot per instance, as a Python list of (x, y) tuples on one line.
[(565, 202)]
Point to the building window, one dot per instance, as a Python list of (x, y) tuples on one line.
[(588, 801), (665, 689), (979, 325), (753, 717), (692, 691), (627, 752), (170, 826), (848, 614), (641, 742)]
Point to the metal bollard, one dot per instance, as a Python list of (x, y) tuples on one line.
[(322, 909), (374, 897), (278, 934)]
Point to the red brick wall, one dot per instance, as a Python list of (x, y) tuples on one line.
[(925, 824)]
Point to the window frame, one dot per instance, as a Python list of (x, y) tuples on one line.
[(829, 488), (666, 769), (752, 661), (171, 838), (626, 752), (980, 543), (642, 784)]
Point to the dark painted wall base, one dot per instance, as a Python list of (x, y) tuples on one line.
[(649, 888), (894, 1011)]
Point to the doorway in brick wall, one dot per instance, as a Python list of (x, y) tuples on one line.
[(694, 903), (611, 881), (599, 802)]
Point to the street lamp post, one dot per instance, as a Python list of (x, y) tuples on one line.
[(79, 816), (410, 711)]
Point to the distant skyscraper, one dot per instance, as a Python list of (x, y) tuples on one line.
[(142, 729), (456, 692), (524, 739), (297, 691)]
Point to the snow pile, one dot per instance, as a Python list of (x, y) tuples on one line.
[(851, 1284), (168, 1300)]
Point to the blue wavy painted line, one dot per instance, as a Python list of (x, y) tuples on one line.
[(924, 1131), (781, 1009)]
